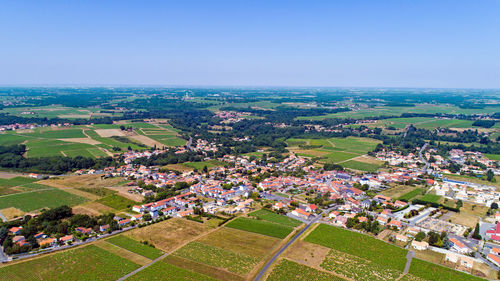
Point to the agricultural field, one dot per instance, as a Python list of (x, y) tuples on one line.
[(344, 151), (39, 198), (210, 164), (397, 190), (273, 217), (85, 263), (117, 202), (359, 245), (410, 195), (434, 272), (135, 246), (93, 140), (166, 271), (13, 185), (261, 227), (235, 262), (287, 270), (432, 198), (170, 234), (54, 111)]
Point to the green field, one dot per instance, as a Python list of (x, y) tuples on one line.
[(165, 271), (214, 256), (261, 227), (58, 134), (432, 198), (287, 270), (135, 246), (117, 202), (408, 196), (273, 217), (434, 272), (359, 245), (86, 263), (209, 164), (495, 157), (15, 181), (30, 201), (360, 166)]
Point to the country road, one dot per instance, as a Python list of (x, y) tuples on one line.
[(273, 259)]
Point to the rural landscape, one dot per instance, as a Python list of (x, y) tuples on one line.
[(250, 140), (248, 185)]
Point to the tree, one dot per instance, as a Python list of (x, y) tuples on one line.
[(205, 169), (254, 195), (476, 234), (494, 206), (459, 204), (490, 176), (420, 236)]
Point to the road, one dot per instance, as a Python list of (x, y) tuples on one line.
[(424, 169), (273, 259), (409, 257), (142, 267)]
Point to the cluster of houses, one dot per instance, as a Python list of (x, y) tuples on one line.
[(21, 126)]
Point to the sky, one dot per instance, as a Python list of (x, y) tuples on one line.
[(374, 43)]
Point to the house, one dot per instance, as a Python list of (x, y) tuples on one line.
[(40, 235), (395, 223), (451, 257), (66, 239), (83, 230), (494, 259), (421, 246), (123, 222), (138, 209), (18, 238), (311, 208), (401, 238), (333, 214), (104, 228), (48, 242), (467, 262), (494, 233), (278, 206), (459, 246), (15, 230), (301, 214), (381, 220), (185, 213)]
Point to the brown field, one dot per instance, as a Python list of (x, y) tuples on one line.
[(368, 159), (147, 141), (9, 175), (241, 241), (307, 253), (487, 272), (138, 259), (81, 181), (465, 219), (84, 116), (11, 213), (397, 190), (217, 273), (94, 208), (169, 234), (106, 133), (473, 209), (123, 191), (82, 140), (313, 152), (430, 256), (178, 167)]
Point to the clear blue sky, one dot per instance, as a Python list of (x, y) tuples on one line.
[(399, 43)]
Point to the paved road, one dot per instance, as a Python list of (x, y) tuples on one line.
[(142, 267), (424, 169), (273, 259), (3, 257), (409, 257)]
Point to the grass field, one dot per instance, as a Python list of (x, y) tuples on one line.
[(360, 166), (117, 202), (232, 261), (359, 245), (30, 201), (16, 181), (287, 270), (434, 272), (209, 164), (432, 198), (168, 235), (273, 217), (135, 246), (253, 244), (165, 271), (495, 157), (86, 263), (410, 195), (261, 227)]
